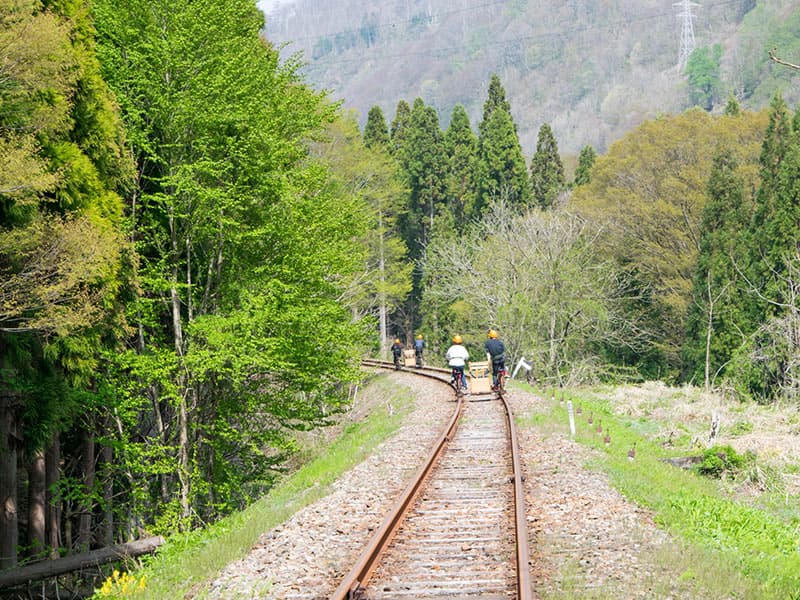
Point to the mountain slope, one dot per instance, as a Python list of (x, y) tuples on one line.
[(590, 69)]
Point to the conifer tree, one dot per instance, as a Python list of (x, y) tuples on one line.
[(764, 247), (547, 170), (501, 170), (774, 149), (583, 173), (425, 164), (399, 130), (732, 108), (714, 329), (423, 160), (461, 147), (376, 132), (62, 166), (495, 100)]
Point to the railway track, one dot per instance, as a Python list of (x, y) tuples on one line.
[(459, 528)]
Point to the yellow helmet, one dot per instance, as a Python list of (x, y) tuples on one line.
[(419, 336), (396, 340), (492, 334), (457, 339)]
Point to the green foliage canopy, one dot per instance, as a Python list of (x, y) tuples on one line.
[(649, 191)]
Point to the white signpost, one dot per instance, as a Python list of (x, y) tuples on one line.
[(523, 364)]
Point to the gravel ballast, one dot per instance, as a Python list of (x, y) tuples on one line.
[(577, 522)]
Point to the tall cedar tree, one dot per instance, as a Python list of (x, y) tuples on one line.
[(714, 322), (495, 100), (732, 108), (501, 170), (461, 147), (583, 172), (425, 166), (62, 251), (399, 131), (547, 170), (376, 132), (770, 241), (759, 240)]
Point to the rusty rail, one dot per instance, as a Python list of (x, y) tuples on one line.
[(521, 524), (353, 585), (359, 575)]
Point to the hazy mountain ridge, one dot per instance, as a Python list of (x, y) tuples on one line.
[(593, 70)]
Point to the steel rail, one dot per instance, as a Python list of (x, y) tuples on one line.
[(353, 585), (521, 523), (355, 580)]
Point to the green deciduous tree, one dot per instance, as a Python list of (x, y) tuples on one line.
[(703, 76), (373, 176), (649, 190), (245, 245)]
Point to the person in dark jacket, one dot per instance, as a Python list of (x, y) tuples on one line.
[(397, 351), (496, 354)]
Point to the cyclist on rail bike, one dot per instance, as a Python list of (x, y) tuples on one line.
[(397, 351), (457, 357), (419, 346), (496, 354)]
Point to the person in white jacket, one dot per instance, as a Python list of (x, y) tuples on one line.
[(457, 357)]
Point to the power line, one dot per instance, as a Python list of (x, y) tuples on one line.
[(687, 31), (446, 50), (404, 23)]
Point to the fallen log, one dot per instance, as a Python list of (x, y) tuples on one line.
[(75, 562)]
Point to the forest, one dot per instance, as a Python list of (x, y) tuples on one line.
[(591, 70), (197, 248)]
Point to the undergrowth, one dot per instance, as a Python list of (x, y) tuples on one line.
[(187, 563), (735, 548)]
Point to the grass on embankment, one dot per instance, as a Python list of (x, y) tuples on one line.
[(725, 548), (189, 562)]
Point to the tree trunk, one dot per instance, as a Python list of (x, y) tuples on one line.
[(37, 503), (9, 441), (709, 325), (183, 414), (382, 311), (76, 562), (52, 478), (88, 473), (107, 535)]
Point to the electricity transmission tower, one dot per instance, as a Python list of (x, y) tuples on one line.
[(687, 31)]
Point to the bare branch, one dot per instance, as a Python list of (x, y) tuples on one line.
[(775, 58)]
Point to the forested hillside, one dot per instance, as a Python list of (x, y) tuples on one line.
[(197, 246), (591, 70)]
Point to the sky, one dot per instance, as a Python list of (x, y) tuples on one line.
[(268, 5)]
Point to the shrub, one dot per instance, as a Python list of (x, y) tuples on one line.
[(719, 460)]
